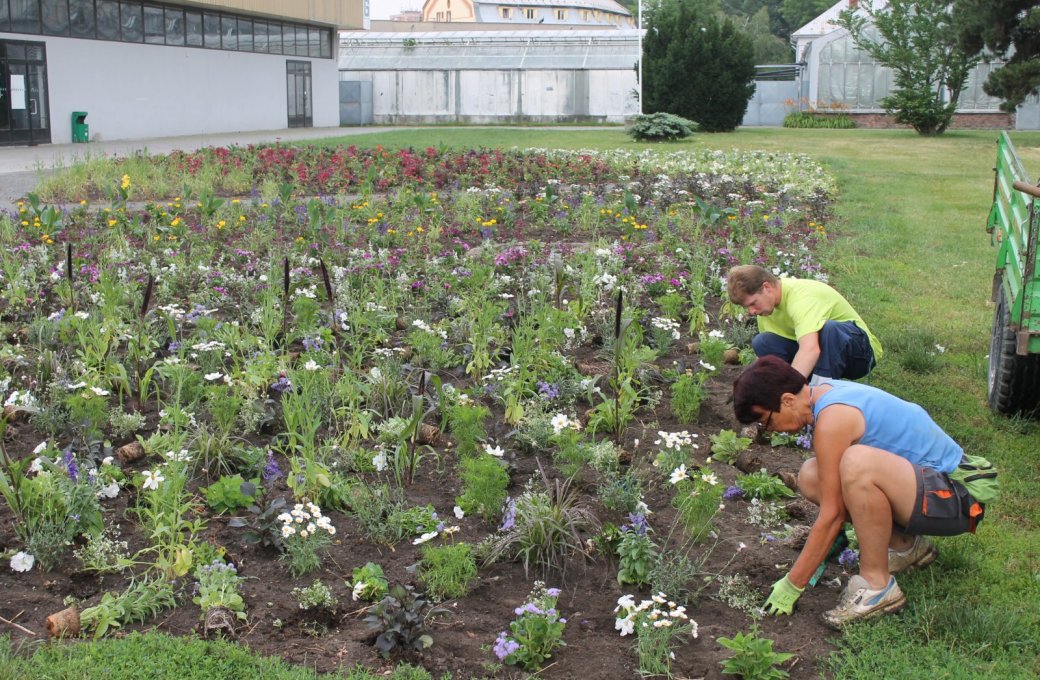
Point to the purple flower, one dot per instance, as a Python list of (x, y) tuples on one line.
[(552, 592), (508, 515), (848, 558), (71, 467), (282, 384), (504, 646), (272, 472), (637, 524), (548, 391), (311, 344), (732, 493)]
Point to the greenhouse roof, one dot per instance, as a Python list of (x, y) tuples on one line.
[(490, 50)]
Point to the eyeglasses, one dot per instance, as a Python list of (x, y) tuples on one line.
[(763, 426)]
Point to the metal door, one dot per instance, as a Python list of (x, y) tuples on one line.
[(24, 109), (298, 91)]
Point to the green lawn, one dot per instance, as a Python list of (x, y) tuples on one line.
[(909, 249)]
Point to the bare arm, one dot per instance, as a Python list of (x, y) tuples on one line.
[(808, 354), (837, 428)]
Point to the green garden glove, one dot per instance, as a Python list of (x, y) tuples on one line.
[(783, 597)]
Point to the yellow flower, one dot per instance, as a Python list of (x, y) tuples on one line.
[(25, 223), (221, 224), (176, 222), (111, 221), (83, 201), (419, 229), (126, 182), (235, 201), (241, 218), (156, 237)]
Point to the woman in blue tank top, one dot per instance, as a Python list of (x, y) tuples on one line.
[(880, 462)]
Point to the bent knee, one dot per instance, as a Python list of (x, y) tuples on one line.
[(809, 480)]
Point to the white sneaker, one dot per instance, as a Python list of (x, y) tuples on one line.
[(921, 553), (858, 602)]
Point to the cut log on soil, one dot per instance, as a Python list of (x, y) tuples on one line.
[(219, 622), (64, 624), (130, 452)]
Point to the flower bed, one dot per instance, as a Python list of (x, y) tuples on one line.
[(413, 383)]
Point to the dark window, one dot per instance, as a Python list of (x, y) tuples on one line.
[(174, 26), (108, 19), (211, 26), (25, 16), (154, 26), (81, 18), (314, 42), (274, 42), (5, 16), (288, 39), (55, 15), (132, 22), (228, 33), (245, 35), (260, 30), (326, 44), (193, 28)]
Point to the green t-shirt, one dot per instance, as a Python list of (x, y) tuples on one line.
[(805, 305)]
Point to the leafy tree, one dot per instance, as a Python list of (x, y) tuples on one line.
[(798, 13), (696, 65), (769, 49), (999, 26), (917, 40)]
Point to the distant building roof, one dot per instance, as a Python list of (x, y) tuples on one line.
[(604, 5)]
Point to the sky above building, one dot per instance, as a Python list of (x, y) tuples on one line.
[(382, 9)]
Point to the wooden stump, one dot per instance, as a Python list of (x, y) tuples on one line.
[(64, 624)]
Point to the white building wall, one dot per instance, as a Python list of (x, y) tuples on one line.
[(498, 95), (136, 91)]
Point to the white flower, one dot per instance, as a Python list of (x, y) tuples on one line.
[(560, 422), (710, 478), (495, 451), (627, 625), (625, 602), (22, 561), (706, 366), (379, 461), (107, 460), (40, 447), (110, 491), (100, 392), (152, 479), (82, 315), (214, 376), (940, 348), (425, 537), (37, 466), (311, 365), (678, 474), (459, 512), (359, 589)]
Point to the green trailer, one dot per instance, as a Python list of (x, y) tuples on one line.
[(1014, 227)]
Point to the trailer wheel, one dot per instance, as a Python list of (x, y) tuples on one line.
[(1013, 379)]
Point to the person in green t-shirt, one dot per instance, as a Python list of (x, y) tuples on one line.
[(805, 322)]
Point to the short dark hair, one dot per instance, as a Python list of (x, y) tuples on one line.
[(762, 384), (744, 281)]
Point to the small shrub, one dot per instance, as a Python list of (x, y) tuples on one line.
[(447, 570), (400, 618), (753, 657), (226, 494), (636, 552), (316, 596), (369, 583), (484, 483), (660, 127), (620, 493)]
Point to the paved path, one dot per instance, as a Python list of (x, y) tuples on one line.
[(21, 167)]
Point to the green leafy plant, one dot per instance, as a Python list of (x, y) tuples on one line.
[(688, 392), (636, 551), (227, 495), (447, 570), (103, 555), (660, 127), (143, 599), (727, 445), (763, 485), (262, 527), (218, 586), (535, 633), (368, 582), (753, 657), (400, 617)]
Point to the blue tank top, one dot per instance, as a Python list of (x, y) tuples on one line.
[(894, 425)]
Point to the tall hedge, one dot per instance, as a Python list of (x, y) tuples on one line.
[(697, 66)]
